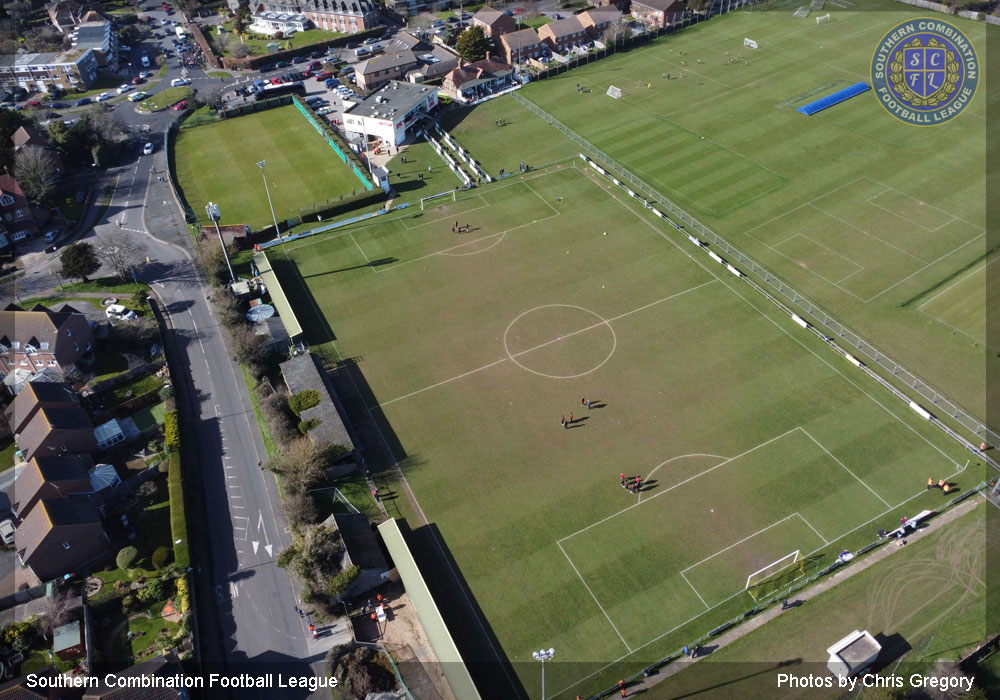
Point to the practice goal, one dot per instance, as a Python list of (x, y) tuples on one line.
[(750, 42), (614, 92), (775, 576), (823, 18)]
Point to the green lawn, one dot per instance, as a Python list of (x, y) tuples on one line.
[(219, 74), (167, 98), (754, 440), (214, 164), (130, 390), (405, 177), (258, 47), (7, 449), (938, 615), (105, 83), (112, 285), (836, 203), (108, 364)]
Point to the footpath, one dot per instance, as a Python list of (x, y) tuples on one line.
[(730, 636)]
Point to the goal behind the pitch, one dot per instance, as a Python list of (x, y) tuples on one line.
[(614, 92), (450, 194)]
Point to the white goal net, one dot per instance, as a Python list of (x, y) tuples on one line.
[(614, 92), (750, 42), (772, 569)]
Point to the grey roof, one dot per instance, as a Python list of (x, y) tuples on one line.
[(42, 59), (301, 373), (362, 547), (397, 98), (92, 32), (386, 61), (69, 635)]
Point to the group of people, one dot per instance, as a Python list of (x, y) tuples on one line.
[(633, 483)]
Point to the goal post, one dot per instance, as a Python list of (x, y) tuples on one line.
[(823, 18), (450, 194), (750, 42), (614, 92), (775, 576)]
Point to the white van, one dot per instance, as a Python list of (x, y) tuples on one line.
[(361, 51), (145, 61), (179, 82)]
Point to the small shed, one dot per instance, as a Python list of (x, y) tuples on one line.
[(68, 642), (853, 654)]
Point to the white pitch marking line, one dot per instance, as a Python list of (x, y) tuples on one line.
[(734, 544), (860, 481), (695, 591), (596, 601), (932, 262), (602, 322), (825, 541), (369, 262)]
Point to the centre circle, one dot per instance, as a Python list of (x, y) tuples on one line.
[(559, 341)]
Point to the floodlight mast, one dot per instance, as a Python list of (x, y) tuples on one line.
[(543, 655), (261, 164), (213, 213)]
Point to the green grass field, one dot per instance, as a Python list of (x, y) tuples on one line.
[(753, 438), (937, 617), (217, 162), (839, 204)]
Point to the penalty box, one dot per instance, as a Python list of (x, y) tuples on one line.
[(691, 545), (865, 237)]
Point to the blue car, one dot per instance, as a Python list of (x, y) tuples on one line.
[(83, 101)]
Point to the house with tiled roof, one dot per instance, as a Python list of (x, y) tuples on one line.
[(164, 668), (30, 137), (50, 477), (62, 536), (597, 20), (472, 81), (16, 212), (658, 13), (563, 34), (56, 430), (379, 70), (40, 338), (622, 5), (35, 395), (66, 15), (494, 23), (519, 46)]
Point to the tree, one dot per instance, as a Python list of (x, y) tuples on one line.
[(139, 298), (616, 31), (36, 171), (162, 557), (120, 251), (472, 44), (299, 509), (250, 349), (10, 121), (79, 260), (300, 465), (126, 557), (57, 610)]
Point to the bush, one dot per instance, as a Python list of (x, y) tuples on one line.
[(126, 557), (304, 400), (162, 557), (178, 521), (287, 556), (183, 597), (19, 634), (299, 509), (172, 430), (128, 603), (339, 583), (151, 593), (306, 425)]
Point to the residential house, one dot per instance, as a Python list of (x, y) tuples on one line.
[(62, 536), (40, 338), (302, 372), (563, 34), (66, 70), (101, 37), (18, 215), (658, 13), (494, 24), (163, 668), (379, 70), (361, 549), (35, 395), (597, 20), (433, 64), (30, 137), (472, 81), (344, 16), (50, 477), (66, 15), (39, 685), (519, 46), (56, 430)]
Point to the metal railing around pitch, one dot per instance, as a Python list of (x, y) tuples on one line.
[(844, 334)]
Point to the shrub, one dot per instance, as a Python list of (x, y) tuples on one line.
[(172, 430), (18, 633), (183, 597), (128, 603), (305, 399), (126, 557), (306, 425), (162, 557), (151, 593), (287, 556), (339, 583)]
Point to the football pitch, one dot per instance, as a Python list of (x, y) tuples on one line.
[(752, 438), (867, 216), (218, 163)]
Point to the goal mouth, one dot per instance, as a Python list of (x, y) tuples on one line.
[(615, 92), (775, 576)]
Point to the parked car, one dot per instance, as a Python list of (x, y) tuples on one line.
[(117, 312), (315, 54), (7, 531), (179, 82), (275, 81), (83, 101), (147, 149), (323, 75), (59, 105), (370, 40), (353, 45), (104, 96), (281, 64), (50, 236), (315, 64), (181, 105), (299, 59), (122, 89), (144, 75), (138, 96)]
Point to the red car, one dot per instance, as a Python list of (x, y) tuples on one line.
[(137, 81), (275, 81), (35, 104), (181, 105), (306, 74), (314, 65), (323, 75)]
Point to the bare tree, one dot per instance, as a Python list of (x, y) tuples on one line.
[(300, 465), (57, 610), (120, 251), (617, 31), (107, 125), (37, 172)]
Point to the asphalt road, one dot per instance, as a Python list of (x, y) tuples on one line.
[(247, 620)]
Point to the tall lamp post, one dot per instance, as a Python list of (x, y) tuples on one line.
[(214, 215), (543, 656), (261, 164)]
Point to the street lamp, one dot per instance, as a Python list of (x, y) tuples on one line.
[(214, 215), (543, 656), (261, 164)]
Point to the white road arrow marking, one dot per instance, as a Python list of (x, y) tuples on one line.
[(255, 544), (269, 549), (233, 590)]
